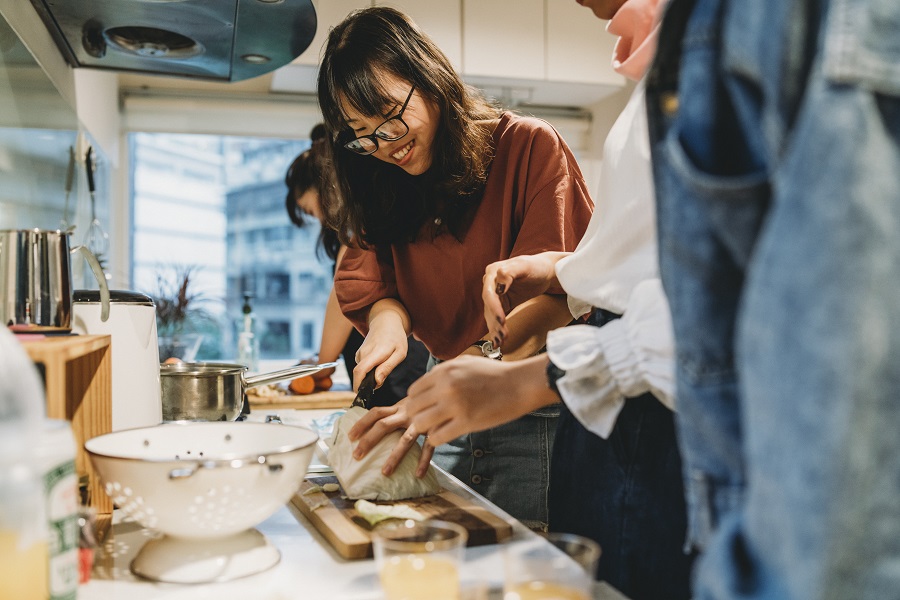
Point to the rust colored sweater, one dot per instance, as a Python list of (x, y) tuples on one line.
[(535, 200)]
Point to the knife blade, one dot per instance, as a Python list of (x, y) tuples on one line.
[(366, 391)]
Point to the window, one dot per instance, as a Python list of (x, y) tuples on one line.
[(306, 335), (216, 203), (278, 286), (276, 338)]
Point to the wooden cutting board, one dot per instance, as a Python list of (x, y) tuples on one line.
[(351, 536), (329, 399)]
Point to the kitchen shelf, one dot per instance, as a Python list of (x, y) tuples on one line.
[(77, 373)]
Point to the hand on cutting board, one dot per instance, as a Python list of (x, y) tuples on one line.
[(512, 281), (379, 422), (470, 393)]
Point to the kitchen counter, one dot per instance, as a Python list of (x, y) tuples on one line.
[(309, 567)]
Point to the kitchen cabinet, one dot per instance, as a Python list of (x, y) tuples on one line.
[(578, 46), (543, 52), (328, 14), (440, 19), (551, 40), (503, 38)]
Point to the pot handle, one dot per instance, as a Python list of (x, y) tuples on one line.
[(100, 277), (296, 371)]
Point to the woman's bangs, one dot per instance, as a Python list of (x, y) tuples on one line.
[(361, 88)]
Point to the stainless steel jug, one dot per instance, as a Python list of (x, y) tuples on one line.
[(36, 280)]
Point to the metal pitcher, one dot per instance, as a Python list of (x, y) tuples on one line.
[(36, 280)]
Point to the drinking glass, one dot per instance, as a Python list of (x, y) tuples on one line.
[(419, 560), (560, 566)]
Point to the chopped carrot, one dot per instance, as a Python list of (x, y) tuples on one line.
[(324, 384)]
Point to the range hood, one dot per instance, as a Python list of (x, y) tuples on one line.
[(218, 40)]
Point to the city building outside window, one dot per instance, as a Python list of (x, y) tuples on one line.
[(216, 204)]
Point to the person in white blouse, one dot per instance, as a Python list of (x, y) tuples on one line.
[(616, 470)]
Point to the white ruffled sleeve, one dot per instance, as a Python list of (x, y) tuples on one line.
[(623, 359)]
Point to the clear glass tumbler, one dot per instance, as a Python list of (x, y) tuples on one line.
[(419, 560), (558, 566)]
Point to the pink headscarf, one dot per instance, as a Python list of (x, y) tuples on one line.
[(637, 25)]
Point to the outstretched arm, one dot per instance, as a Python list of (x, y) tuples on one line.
[(449, 401)]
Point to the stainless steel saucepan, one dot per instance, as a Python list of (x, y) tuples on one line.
[(215, 391)]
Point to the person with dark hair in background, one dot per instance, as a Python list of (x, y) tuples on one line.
[(305, 179), (433, 184)]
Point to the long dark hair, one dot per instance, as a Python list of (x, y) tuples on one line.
[(375, 202), (308, 171)]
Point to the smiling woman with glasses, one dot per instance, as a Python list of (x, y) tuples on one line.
[(390, 131), (432, 183)]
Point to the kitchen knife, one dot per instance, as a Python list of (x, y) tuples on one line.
[(366, 391)]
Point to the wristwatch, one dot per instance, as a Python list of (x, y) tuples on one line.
[(487, 349), (554, 373)]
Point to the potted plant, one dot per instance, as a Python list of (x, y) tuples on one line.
[(179, 314)]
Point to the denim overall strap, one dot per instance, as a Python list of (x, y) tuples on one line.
[(700, 262)]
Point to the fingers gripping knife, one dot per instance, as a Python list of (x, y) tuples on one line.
[(366, 391)]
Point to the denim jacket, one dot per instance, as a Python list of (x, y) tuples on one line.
[(775, 137)]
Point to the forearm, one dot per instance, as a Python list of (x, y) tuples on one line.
[(530, 375), (449, 401), (529, 323), (389, 313), (335, 330), (552, 258)]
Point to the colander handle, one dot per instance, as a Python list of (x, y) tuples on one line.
[(181, 473), (189, 471)]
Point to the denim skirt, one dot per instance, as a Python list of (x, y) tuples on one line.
[(626, 493), (509, 465)]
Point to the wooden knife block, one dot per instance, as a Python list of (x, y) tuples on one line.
[(77, 372)]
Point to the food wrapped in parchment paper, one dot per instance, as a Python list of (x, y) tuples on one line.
[(363, 478)]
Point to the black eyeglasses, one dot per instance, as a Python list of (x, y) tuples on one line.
[(390, 131)]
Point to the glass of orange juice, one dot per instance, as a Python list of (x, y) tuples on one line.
[(556, 566), (419, 560)]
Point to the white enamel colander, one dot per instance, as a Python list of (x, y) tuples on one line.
[(202, 481)]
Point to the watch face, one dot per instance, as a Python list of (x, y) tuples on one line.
[(487, 348)]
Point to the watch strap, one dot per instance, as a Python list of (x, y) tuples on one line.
[(553, 375)]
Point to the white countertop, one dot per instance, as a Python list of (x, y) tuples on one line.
[(309, 567)]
